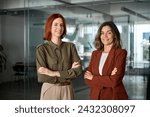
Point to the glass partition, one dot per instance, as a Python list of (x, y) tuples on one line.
[(21, 31)]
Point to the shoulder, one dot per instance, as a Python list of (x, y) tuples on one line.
[(120, 51), (69, 44), (96, 53), (41, 46)]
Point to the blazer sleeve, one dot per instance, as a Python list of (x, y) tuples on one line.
[(87, 81), (73, 72), (112, 81), (41, 62)]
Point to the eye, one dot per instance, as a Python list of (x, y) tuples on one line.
[(101, 33), (61, 25), (55, 24), (109, 32)]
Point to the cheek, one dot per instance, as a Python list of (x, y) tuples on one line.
[(111, 38), (62, 30), (51, 30), (111, 41)]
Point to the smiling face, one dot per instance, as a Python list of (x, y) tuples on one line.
[(107, 36), (57, 28)]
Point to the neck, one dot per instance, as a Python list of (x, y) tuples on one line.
[(107, 48), (56, 41)]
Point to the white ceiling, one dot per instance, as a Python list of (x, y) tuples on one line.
[(91, 10), (131, 10)]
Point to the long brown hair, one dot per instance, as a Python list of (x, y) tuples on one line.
[(48, 25), (116, 41)]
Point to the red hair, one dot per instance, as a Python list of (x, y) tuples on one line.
[(48, 25)]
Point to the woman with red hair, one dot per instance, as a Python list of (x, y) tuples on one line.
[(57, 62)]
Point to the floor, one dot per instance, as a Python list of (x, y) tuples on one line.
[(137, 88)]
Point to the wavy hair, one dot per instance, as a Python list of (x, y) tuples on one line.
[(116, 41)]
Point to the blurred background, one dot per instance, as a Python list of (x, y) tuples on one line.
[(21, 30)]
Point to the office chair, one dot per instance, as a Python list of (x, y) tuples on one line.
[(20, 71)]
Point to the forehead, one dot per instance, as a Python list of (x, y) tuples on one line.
[(106, 28), (58, 20)]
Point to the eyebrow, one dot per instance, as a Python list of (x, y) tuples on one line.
[(107, 31), (58, 23)]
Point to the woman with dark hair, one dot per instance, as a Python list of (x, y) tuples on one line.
[(57, 61), (107, 66)]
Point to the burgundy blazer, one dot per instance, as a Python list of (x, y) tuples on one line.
[(105, 86)]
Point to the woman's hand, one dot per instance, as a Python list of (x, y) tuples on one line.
[(114, 71), (88, 75), (75, 65), (45, 71)]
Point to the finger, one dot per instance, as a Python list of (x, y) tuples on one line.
[(77, 65), (87, 72), (40, 69), (85, 76), (75, 62)]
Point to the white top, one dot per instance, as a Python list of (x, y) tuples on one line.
[(102, 61)]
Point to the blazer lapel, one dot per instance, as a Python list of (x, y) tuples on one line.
[(109, 63), (96, 61)]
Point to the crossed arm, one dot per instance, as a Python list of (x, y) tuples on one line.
[(88, 75), (111, 80), (48, 72)]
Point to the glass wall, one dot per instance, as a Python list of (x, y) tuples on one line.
[(83, 19), (21, 31)]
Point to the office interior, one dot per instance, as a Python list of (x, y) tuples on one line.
[(21, 31)]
